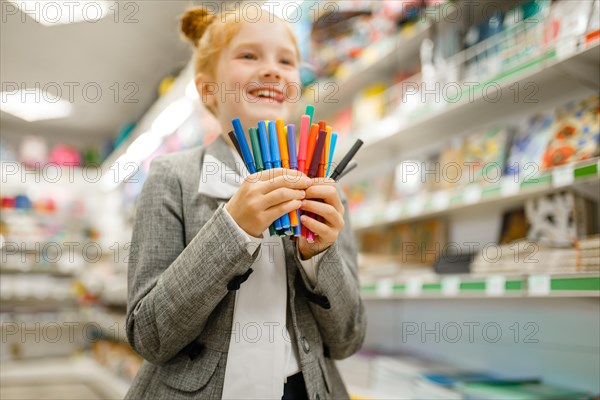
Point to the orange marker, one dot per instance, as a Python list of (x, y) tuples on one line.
[(312, 141), (283, 148)]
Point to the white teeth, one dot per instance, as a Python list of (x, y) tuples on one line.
[(265, 93)]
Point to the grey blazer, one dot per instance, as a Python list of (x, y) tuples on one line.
[(187, 261)]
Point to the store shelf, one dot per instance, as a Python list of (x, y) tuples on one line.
[(504, 193), (53, 373), (490, 286), (53, 271), (555, 80), (328, 95), (35, 303)]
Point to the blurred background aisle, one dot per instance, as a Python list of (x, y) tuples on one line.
[(475, 203)]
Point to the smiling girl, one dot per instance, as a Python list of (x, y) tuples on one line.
[(217, 307)]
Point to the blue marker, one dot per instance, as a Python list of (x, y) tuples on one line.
[(274, 142), (291, 142), (282, 222), (263, 138), (334, 136), (241, 137)]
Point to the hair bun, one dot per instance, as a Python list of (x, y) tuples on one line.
[(194, 23)]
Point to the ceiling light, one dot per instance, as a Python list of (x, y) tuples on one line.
[(34, 105), (143, 146), (53, 12), (172, 117)]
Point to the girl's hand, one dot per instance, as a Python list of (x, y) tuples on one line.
[(266, 196), (332, 212)]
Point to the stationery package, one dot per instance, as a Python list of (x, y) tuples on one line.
[(451, 164), (588, 253), (514, 226), (559, 219), (528, 146), (575, 134), (485, 153), (420, 242)]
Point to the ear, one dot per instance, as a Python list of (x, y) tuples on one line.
[(207, 90)]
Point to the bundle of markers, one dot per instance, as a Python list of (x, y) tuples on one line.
[(274, 146)]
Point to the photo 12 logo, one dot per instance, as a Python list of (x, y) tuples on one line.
[(52, 13)]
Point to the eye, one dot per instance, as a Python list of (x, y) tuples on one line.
[(248, 56), (287, 61)]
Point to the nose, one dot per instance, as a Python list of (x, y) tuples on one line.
[(270, 72)]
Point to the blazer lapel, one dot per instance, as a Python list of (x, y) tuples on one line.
[(221, 171)]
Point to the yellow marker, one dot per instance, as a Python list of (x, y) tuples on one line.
[(327, 145)]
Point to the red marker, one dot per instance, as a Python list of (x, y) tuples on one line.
[(312, 141), (304, 127)]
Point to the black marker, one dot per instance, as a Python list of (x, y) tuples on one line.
[(342, 165), (353, 164), (235, 143)]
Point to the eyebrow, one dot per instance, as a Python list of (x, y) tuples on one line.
[(256, 45)]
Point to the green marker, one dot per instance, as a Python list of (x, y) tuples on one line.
[(310, 111), (256, 150)]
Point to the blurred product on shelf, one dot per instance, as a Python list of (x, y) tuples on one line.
[(414, 244), (485, 157), (341, 35), (559, 219), (528, 145), (65, 155), (369, 106), (117, 357), (370, 193), (33, 150), (381, 374), (567, 22), (575, 134), (588, 253), (342, 120), (514, 226), (485, 153)]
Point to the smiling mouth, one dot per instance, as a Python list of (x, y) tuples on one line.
[(270, 95)]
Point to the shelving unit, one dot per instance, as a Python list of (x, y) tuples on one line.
[(562, 305), (328, 95), (507, 192), (80, 376), (475, 287), (555, 79)]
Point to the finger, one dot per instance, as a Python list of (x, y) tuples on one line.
[(295, 180), (272, 213), (281, 195), (324, 181), (263, 176), (326, 233), (326, 192), (327, 211)]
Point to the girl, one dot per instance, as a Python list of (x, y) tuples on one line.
[(217, 307)]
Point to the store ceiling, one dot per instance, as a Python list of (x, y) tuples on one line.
[(125, 55)]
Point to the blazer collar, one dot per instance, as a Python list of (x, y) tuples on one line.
[(220, 150), (222, 170)]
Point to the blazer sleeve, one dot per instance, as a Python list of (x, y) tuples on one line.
[(172, 289), (343, 324)]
